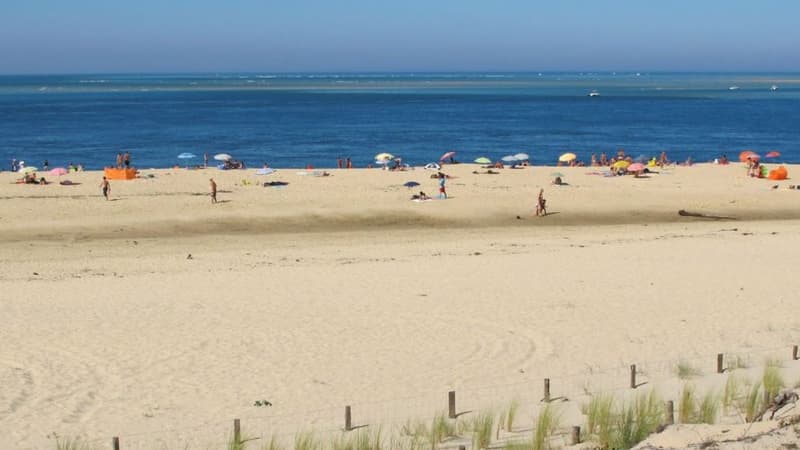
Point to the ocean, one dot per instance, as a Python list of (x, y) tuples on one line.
[(295, 120)]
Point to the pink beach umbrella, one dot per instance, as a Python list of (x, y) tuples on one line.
[(636, 167), (58, 171), (447, 155), (773, 154)]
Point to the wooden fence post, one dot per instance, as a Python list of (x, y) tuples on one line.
[(575, 436), (794, 353), (348, 419), (451, 404), (547, 389), (115, 443), (670, 412), (633, 376), (720, 369), (237, 432)]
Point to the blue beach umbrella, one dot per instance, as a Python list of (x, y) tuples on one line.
[(187, 156), (410, 184)]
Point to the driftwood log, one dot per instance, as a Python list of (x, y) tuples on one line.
[(686, 213)]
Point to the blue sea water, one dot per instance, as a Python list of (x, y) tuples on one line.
[(292, 120)]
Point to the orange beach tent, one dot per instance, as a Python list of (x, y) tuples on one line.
[(119, 174), (778, 174)]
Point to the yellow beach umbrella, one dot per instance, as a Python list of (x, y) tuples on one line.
[(483, 160), (621, 164), (567, 157), (384, 156)]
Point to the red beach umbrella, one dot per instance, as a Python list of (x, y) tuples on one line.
[(772, 154), (748, 154)]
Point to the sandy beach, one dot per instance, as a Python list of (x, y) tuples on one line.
[(159, 311)]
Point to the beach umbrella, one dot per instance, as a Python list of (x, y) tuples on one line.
[(447, 155), (265, 171), (432, 166), (567, 157), (382, 162), (483, 160), (509, 159), (522, 156), (748, 154), (410, 184), (187, 156), (223, 157), (383, 157), (621, 164), (773, 154), (26, 170), (636, 167), (58, 171)]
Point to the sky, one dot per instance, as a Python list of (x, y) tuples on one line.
[(140, 36)]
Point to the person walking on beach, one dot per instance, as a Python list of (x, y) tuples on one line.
[(349, 163), (339, 163), (127, 159), (442, 191), (205, 160), (106, 186), (14, 166), (541, 204), (213, 190)]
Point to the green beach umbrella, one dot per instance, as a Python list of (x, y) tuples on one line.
[(483, 160)]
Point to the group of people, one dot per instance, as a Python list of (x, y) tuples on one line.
[(344, 163), (123, 160)]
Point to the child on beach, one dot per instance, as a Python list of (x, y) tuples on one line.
[(106, 186), (442, 191)]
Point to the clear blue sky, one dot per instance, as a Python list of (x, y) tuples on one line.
[(66, 36)]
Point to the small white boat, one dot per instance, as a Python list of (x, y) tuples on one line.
[(733, 88), (774, 87), (594, 94)]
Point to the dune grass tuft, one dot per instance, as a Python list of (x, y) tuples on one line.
[(638, 420), (731, 392), (72, 444), (272, 444), (751, 403), (688, 405), (773, 384), (511, 414), (546, 424), (306, 441), (600, 418), (685, 370), (441, 428), (482, 430), (709, 408)]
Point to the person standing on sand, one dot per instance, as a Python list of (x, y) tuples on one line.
[(541, 208), (127, 159), (339, 162), (106, 186), (119, 161), (205, 160), (442, 191), (349, 163), (213, 190)]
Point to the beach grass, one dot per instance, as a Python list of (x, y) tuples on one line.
[(709, 408), (72, 444), (751, 404), (731, 392), (638, 419), (600, 418), (482, 430), (441, 428), (773, 384), (306, 441), (546, 424), (737, 362), (685, 370), (272, 444), (511, 415), (688, 404)]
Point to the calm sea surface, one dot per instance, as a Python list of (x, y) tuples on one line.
[(299, 119)]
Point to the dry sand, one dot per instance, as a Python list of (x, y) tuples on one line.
[(339, 290)]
